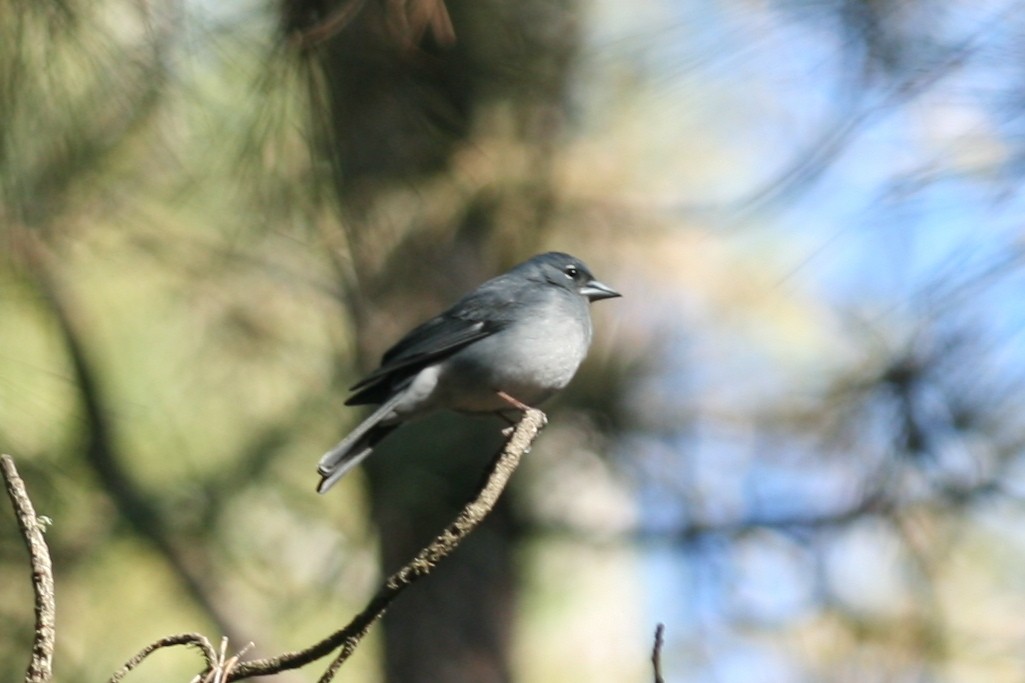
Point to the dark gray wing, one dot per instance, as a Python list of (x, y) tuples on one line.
[(483, 312)]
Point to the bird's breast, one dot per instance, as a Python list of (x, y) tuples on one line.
[(529, 360)]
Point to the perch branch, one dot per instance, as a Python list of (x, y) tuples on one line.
[(40, 668), (193, 639), (349, 637)]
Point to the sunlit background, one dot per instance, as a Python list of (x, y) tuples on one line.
[(799, 439)]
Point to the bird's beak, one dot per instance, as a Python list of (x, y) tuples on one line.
[(596, 291)]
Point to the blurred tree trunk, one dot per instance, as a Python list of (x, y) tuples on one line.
[(402, 89)]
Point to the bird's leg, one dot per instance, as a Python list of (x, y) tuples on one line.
[(515, 403)]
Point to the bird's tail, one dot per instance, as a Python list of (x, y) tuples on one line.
[(355, 447)]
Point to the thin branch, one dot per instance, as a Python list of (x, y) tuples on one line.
[(40, 668), (468, 519), (225, 665), (656, 653), (194, 639)]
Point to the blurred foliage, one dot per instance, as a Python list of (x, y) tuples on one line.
[(798, 440)]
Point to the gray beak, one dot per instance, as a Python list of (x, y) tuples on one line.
[(596, 291)]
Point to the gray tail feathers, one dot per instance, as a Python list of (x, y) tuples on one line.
[(354, 448)]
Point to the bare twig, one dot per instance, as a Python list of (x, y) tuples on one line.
[(219, 669), (193, 639), (225, 665), (656, 653), (40, 668), (472, 514)]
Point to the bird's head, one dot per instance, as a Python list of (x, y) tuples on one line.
[(563, 270)]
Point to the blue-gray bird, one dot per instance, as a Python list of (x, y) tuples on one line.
[(509, 344)]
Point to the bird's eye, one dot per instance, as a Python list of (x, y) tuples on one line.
[(571, 272)]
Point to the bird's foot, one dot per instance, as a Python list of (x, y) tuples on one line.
[(515, 403)]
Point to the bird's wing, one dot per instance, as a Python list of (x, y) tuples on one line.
[(440, 338), (480, 314)]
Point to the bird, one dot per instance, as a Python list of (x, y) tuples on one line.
[(506, 346)]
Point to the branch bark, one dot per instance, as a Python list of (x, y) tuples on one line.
[(40, 668)]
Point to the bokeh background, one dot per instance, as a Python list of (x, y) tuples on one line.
[(798, 440)]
